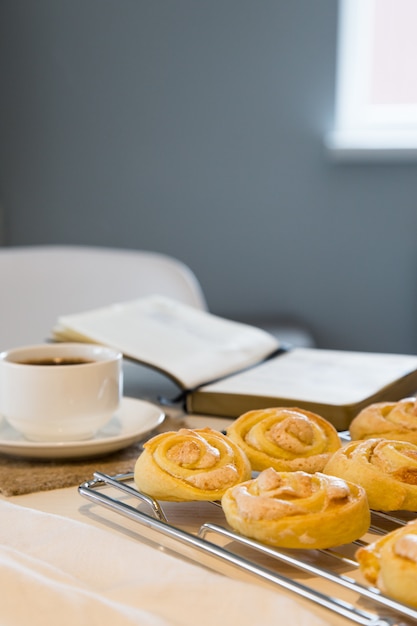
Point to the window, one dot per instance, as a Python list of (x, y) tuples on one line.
[(376, 92)]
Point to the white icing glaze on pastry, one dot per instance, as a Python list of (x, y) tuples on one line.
[(386, 469), (190, 464), (287, 439), (388, 420), (390, 563), (297, 509)]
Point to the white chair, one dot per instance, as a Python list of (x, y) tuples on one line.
[(40, 283)]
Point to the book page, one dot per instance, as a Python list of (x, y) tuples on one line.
[(332, 377), (191, 346)]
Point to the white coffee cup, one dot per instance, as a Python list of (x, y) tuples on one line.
[(60, 392)]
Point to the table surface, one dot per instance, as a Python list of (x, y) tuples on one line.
[(70, 504)]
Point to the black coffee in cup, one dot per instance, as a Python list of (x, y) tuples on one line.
[(57, 361)]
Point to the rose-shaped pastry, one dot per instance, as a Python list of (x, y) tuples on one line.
[(190, 465), (389, 420), (390, 563), (386, 469), (297, 509), (287, 439)]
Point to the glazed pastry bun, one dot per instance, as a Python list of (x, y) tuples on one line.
[(297, 509), (287, 439), (386, 469), (190, 465), (390, 420), (390, 563)]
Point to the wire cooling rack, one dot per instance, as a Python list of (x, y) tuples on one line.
[(199, 531)]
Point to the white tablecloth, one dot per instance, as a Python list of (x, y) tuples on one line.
[(56, 570)]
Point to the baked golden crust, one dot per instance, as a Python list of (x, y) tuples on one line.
[(297, 509), (287, 439), (190, 465), (389, 420), (390, 563), (386, 469)]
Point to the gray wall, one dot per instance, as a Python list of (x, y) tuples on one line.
[(195, 128)]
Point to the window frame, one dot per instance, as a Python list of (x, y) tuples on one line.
[(363, 130)]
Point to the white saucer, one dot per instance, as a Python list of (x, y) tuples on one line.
[(134, 419)]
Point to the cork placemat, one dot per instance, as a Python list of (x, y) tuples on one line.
[(19, 476)]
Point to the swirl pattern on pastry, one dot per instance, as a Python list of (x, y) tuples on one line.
[(386, 469), (390, 420), (390, 563), (297, 509), (287, 439), (190, 465)]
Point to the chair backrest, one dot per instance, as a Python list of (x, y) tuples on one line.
[(40, 283)]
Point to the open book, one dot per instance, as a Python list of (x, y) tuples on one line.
[(226, 368)]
